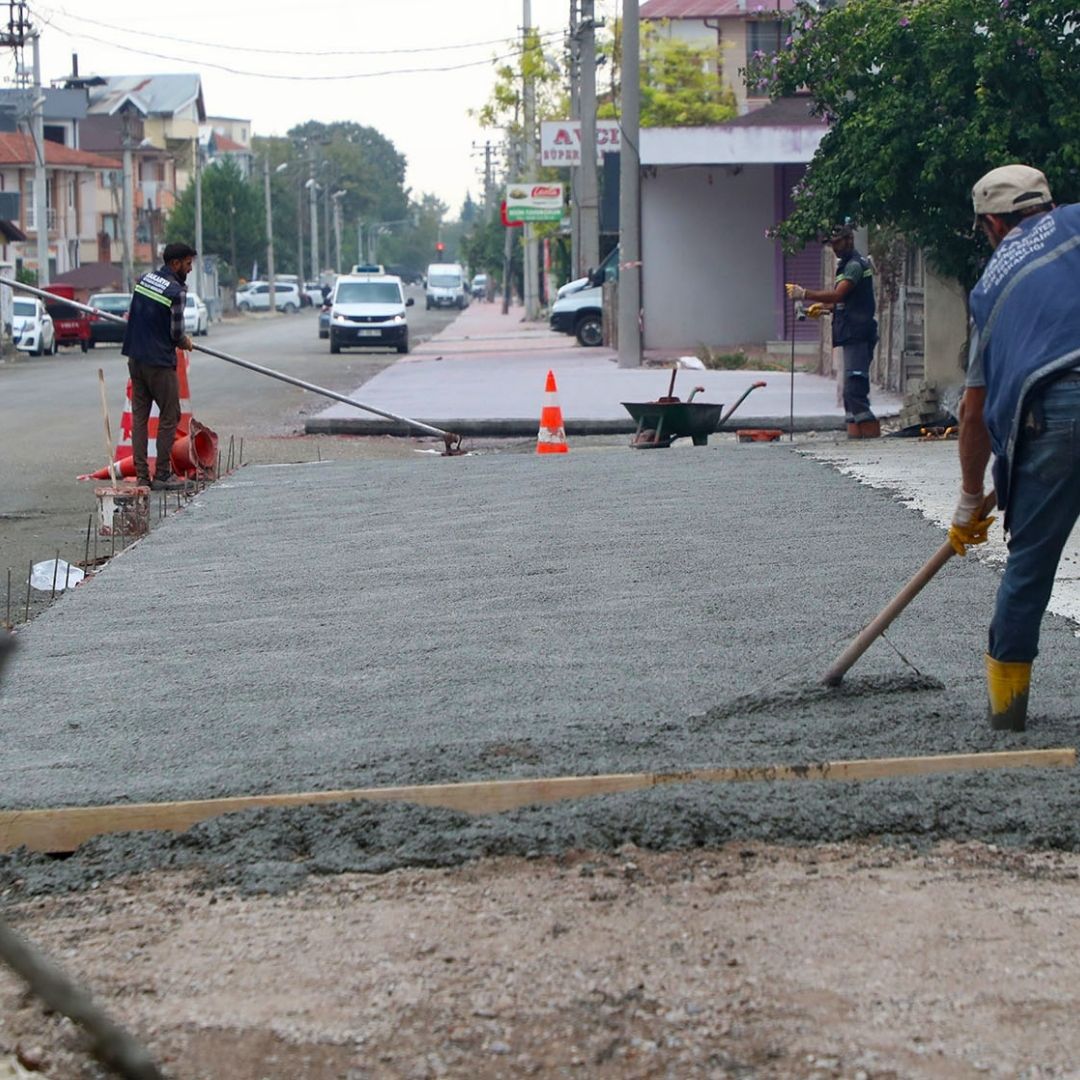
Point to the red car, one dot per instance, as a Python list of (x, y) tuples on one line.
[(72, 325)]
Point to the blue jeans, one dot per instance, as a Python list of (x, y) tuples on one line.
[(1044, 504), (857, 357)]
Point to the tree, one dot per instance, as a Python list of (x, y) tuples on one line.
[(233, 223), (677, 87), (922, 99)]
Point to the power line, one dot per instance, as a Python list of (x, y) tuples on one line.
[(231, 47), (82, 35)]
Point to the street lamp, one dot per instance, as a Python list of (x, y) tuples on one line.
[(313, 193)]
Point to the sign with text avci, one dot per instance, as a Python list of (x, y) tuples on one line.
[(560, 141), (534, 201)]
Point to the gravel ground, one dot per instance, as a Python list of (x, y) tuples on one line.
[(851, 961)]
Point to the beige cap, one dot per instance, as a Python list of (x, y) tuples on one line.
[(1009, 189)]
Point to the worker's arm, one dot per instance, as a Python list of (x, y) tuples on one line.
[(851, 273), (830, 296), (974, 440), (176, 312)]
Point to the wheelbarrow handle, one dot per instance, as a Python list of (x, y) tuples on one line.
[(753, 386)]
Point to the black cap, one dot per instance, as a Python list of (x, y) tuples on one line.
[(841, 232), (177, 251)]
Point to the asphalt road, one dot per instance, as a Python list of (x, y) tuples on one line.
[(51, 427)]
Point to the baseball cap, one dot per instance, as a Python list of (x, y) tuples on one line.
[(1009, 189), (841, 232)]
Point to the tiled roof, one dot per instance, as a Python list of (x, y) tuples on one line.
[(227, 145), (710, 9), (95, 276), (17, 148)]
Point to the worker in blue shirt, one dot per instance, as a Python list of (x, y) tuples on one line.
[(1022, 403), (155, 330)]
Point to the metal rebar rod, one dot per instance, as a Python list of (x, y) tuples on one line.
[(232, 447), (241, 450), (429, 429), (29, 575), (7, 617), (55, 568), (86, 555)]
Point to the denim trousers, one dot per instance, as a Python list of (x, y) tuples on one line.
[(1044, 504), (857, 357)]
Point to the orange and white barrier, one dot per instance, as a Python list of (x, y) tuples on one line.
[(123, 447), (551, 439)]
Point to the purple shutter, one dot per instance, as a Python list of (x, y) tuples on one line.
[(803, 266)]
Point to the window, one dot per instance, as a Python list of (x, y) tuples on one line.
[(368, 292), (766, 36)]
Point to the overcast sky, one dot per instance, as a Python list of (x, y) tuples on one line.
[(423, 112)]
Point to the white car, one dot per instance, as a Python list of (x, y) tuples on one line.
[(32, 327), (196, 317), (256, 297)]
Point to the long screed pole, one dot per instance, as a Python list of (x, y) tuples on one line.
[(834, 676), (452, 440)]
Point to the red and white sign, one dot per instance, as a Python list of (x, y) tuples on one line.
[(528, 200), (560, 141)]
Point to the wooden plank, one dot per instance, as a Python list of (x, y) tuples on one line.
[(63, 829)]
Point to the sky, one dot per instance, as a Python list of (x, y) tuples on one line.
[(284, 72)]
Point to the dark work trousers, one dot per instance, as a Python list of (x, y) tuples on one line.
[(1044, 506), (151, 383), (857, 357)]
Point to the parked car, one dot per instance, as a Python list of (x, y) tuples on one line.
[(196, 316), (72, 326), (479, 285), (255, 296), (314, 293), (301, 288), (608, 269), (581, 314), (32, 327), (369, 309), (104, 331)]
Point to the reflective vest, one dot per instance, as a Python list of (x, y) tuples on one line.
[(1027, 317), (853, 318), (148, 335)]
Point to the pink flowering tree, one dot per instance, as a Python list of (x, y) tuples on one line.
[(922, 98)]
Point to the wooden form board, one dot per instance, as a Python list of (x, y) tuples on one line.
[(63, 829)]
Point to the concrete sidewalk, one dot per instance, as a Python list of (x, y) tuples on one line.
[(484, 376)]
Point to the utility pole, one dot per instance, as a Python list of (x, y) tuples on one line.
[(630, 193), (587, 185), (299, 226), (198, 219), (37, 130), (574, 49), (532, 299), (337, 197), (269, 232), (313, 199), (326, 212), (127, 199)]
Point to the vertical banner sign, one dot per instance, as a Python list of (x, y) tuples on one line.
[(528, 201)]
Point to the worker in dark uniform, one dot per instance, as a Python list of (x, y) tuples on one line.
[(155, 330), (854, 328), (1022, 403)]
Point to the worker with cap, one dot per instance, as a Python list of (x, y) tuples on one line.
[(1022, 402), (854, 328), (154, 331)]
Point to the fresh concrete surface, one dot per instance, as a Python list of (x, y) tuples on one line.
[(344, 624)]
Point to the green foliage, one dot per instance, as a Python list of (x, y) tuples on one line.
[(721, 361), (677, 87), (26, 276), (232, 217), (923, 98)]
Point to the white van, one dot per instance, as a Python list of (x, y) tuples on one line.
[(368, 309), (447, 286)]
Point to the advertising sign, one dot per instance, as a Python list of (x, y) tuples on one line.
[(560, 141), (530, 201)]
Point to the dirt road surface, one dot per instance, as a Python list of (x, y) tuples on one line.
[(854, 961)]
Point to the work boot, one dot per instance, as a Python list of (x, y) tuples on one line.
[(167, 482), (1007, 684), (853, 430), (870, 429)]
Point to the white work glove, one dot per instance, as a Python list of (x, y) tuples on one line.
[(795, 292)]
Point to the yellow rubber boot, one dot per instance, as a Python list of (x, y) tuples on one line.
[(1007, 684)]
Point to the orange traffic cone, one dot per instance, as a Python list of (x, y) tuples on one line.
[(551, 438)]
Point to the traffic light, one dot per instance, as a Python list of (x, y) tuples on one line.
[(440, 247)]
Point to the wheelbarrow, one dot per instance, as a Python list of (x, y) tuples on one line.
[(661, 422)]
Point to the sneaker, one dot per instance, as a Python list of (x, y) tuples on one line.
[(168, 483)]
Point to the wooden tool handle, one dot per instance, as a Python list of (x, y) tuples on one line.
[(877, 627), (108, 428)]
